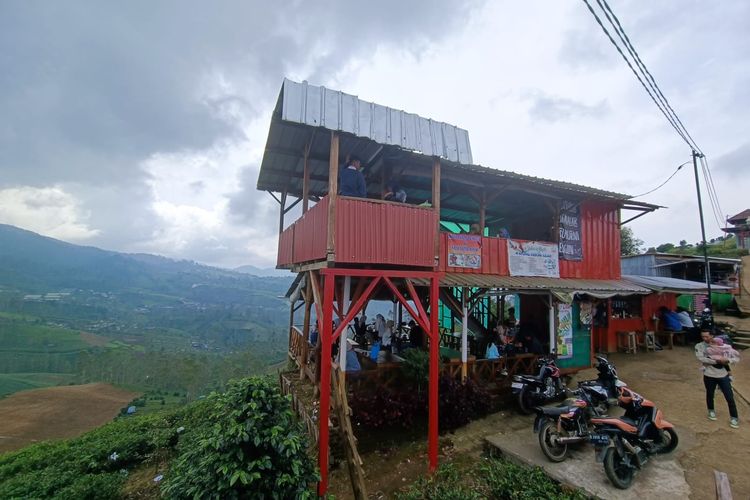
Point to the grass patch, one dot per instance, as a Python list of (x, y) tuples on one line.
[(489, 477), (15, 382)]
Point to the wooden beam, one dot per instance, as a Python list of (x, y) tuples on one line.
[(333, 189), (436, 204), (282, 212), (306, 177), (482, 211), (294, 204)]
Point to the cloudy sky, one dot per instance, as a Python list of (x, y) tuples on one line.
[(139, 126)]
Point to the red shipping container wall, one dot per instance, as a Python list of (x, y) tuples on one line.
[(600, 234), (284, 256), (310, 233), (371, 232), (651, 304), (494, 257)]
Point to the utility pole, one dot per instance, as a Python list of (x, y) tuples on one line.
[(697, 155)]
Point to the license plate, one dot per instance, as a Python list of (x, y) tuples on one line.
[(599, 439), (516, 385)]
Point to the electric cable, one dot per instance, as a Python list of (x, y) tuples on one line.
[(627, 61), (663, 183), (649, 77)]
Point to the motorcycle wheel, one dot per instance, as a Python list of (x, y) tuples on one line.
[(668, 441), (619, 473), (526, 401), (554, 452)]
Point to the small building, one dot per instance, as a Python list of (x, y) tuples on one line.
[(741, 229), (724, 271), (465, 237)]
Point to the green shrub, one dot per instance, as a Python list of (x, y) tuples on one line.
[(252, 449), (494, 478)]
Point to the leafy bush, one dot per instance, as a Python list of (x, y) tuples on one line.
[(460, 403), (386, 408), (253, 449), (494, 478), (85, 467), (416, 367)]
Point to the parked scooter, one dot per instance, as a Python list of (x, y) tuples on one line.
[(536, 390), (625, 444), (570, 424)]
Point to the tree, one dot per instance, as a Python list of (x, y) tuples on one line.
[(665, 248), (683, 243), (629, 244)]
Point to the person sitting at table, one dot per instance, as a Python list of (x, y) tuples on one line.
[(692, 332), (670, 320), (416, 335), (493, 347), (352, 361), (394, 191), (527, 341)]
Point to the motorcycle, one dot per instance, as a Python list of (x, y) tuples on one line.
[(625, 444), (536, 390), (557, 427)]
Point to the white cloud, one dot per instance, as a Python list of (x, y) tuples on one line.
[(49, 211)]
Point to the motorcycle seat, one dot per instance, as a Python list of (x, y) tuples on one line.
[(629, 421), (557, 410)]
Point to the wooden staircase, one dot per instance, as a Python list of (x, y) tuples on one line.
[(741, 339)]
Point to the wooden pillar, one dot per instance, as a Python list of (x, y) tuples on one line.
[(282, 212), (482, 211), (325, 383), (333, 189), (432, 446), (464, 333), (291, 323), (436, 204), (306, 327), (306, 178)]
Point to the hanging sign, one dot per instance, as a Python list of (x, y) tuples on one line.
[(570, 231), (533, 258), (564, 331), (465, 250)]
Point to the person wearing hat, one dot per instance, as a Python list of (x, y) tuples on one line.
[(351, 179), (352, 361)]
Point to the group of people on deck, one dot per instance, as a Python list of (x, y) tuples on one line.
[(508, 339), (352, 183)]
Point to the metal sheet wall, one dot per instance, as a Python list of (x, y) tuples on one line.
[(494, 257), (285, 255), (370, 232), (310, 234), (600, 232)]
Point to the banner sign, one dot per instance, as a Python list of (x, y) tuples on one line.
[(465, 250), (564, 331), (570, 231), (533, 258)]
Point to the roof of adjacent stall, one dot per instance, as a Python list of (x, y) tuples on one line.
[(673, 285), (377, 134), (539, 283)]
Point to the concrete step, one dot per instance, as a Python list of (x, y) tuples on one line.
[(742, 345)]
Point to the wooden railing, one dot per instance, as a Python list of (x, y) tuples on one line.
[(302, 353)]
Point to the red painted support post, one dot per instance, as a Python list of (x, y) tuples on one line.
[(432, 447), (325, 382)]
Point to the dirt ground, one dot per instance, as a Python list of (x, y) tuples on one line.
[(670, 378), (57, 412)]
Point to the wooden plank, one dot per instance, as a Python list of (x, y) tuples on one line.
[(353, 459), (333, 189), (436, 204), (723, 490)]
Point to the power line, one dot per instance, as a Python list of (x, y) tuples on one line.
[(627, 61), (649, 77), (663, 183)]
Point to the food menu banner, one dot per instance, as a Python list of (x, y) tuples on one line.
[(533, 258), (564, 331), (465, 250), (570, 231)]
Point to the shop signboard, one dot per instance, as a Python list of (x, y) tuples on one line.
[(465, 250), (570, 231), (564, 331), (533, 258)]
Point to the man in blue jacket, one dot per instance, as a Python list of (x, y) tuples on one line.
[(351, 180)]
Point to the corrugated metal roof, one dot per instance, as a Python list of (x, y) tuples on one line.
[(334, 110), (305, 112), (675, 285), (525, 283)]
